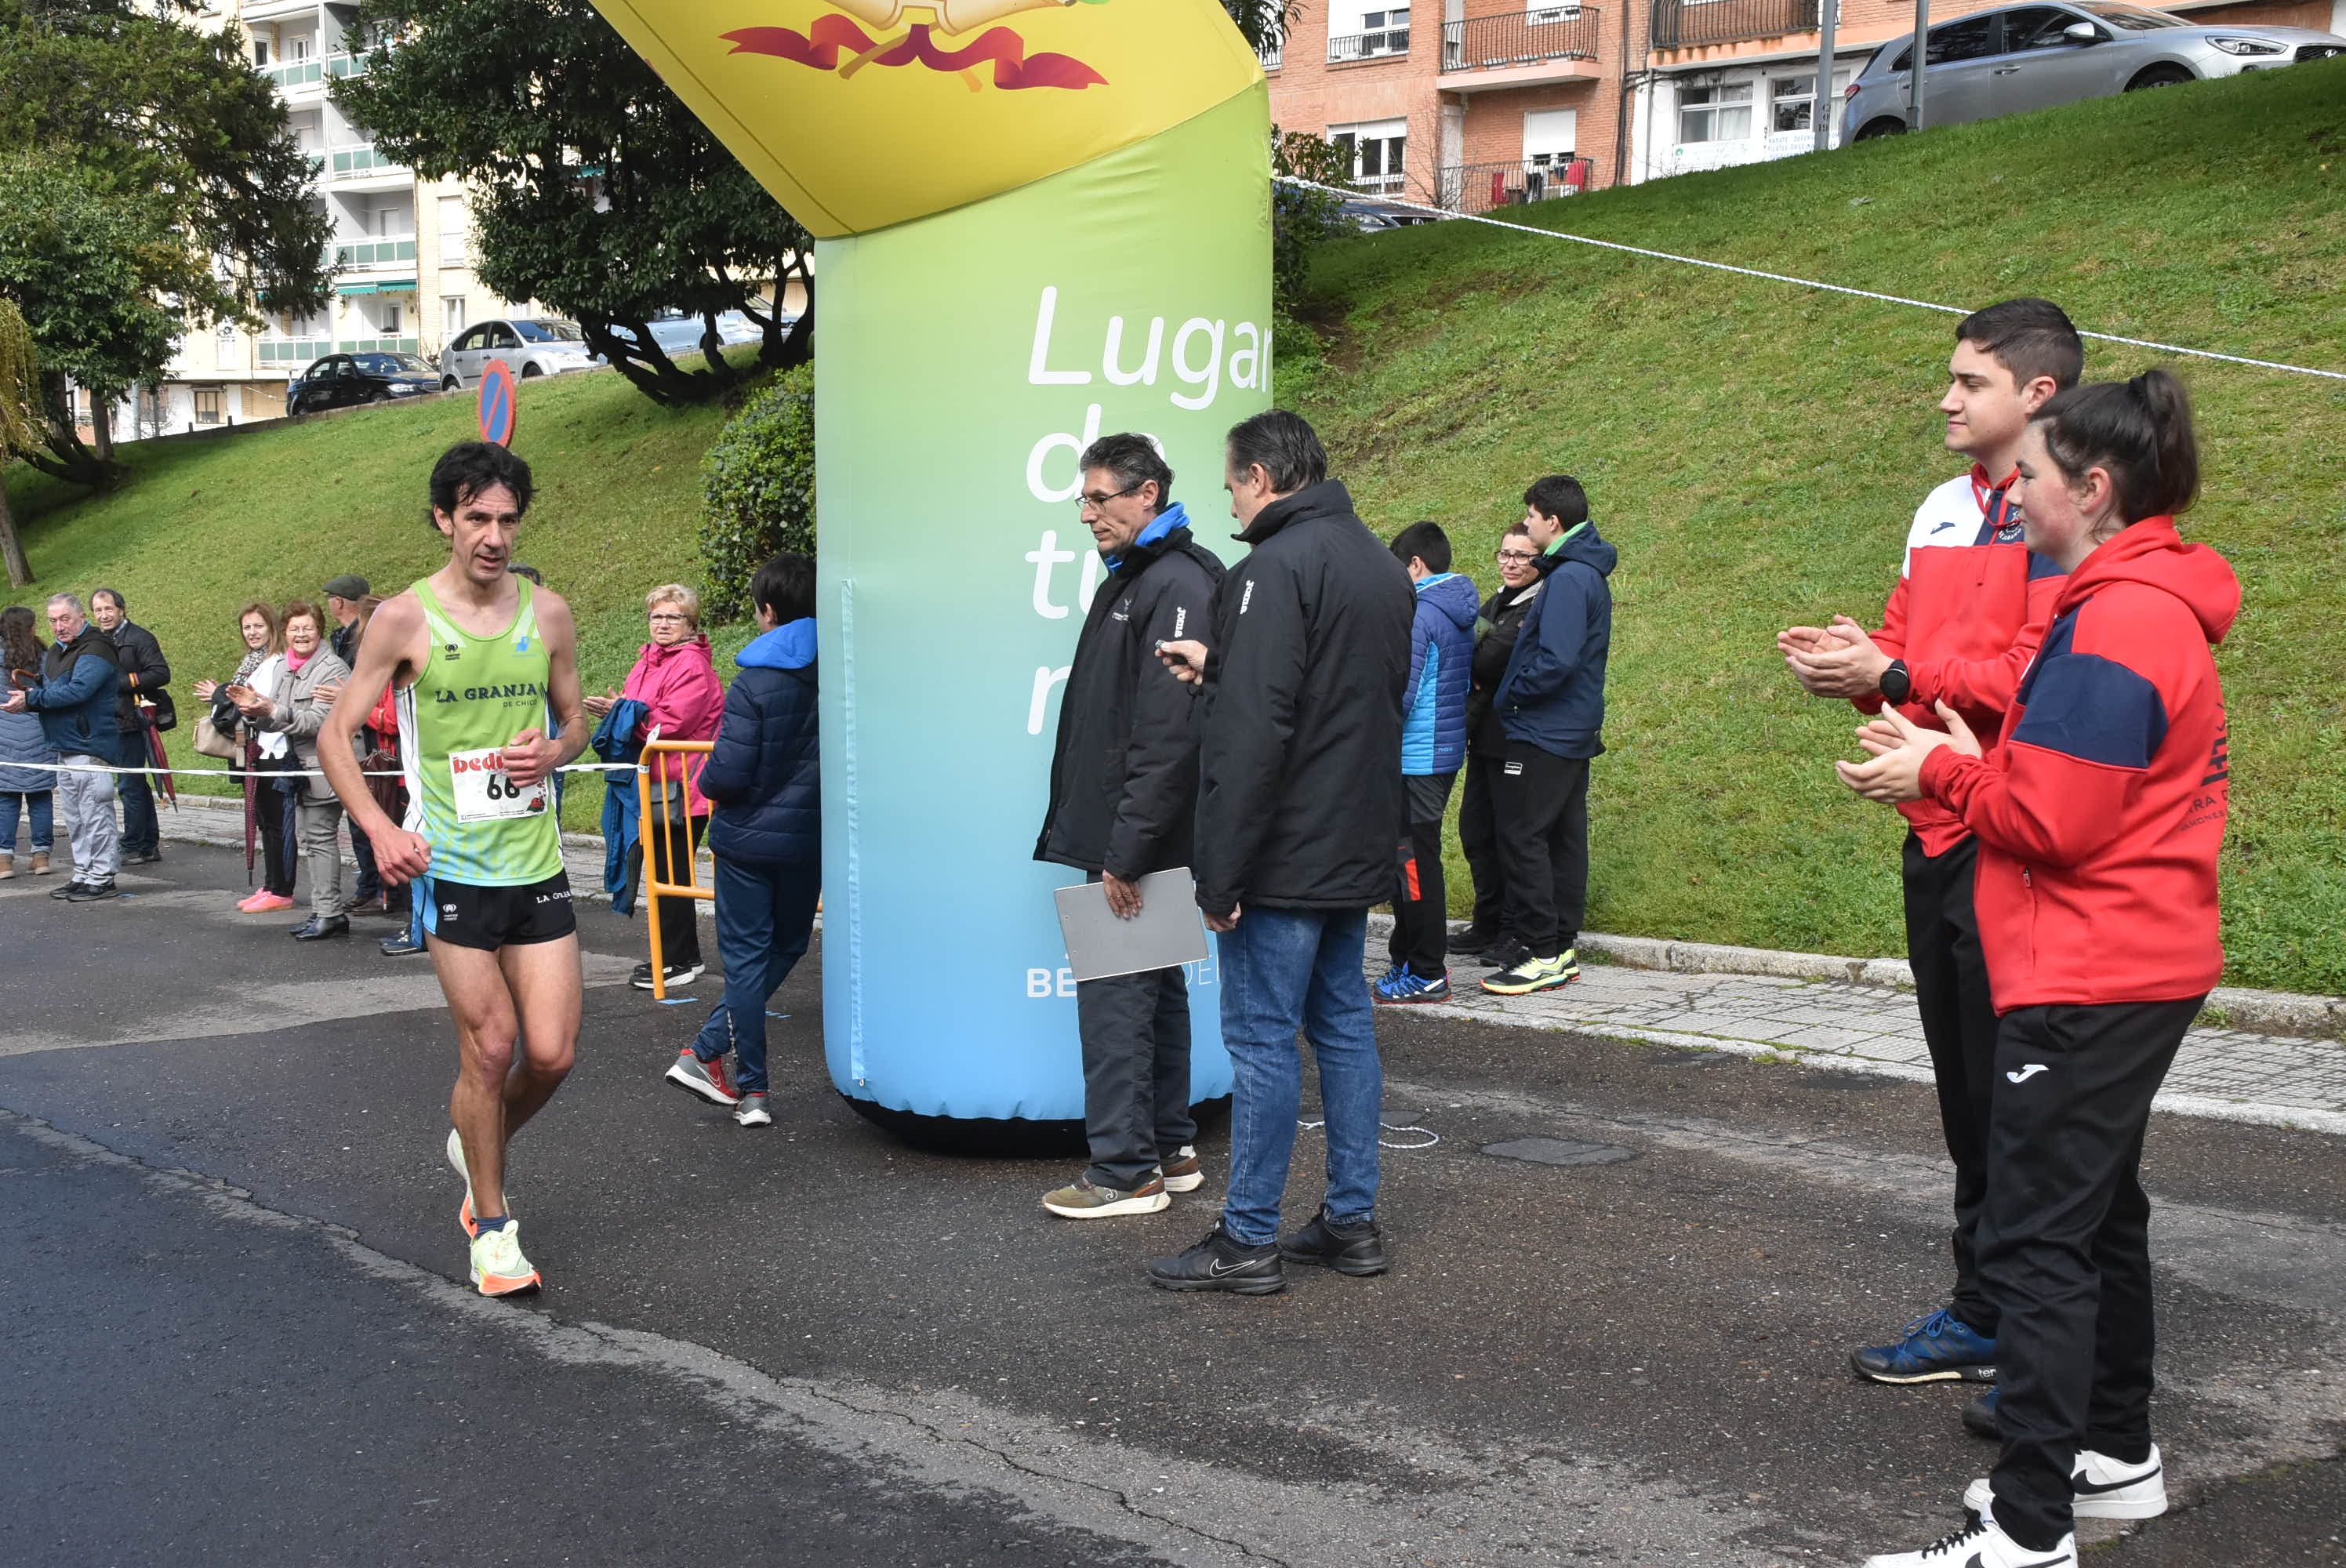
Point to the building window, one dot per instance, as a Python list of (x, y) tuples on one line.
[(391, 320), (208, 405), (1377, 153), (1719, 112), (1791, 102), (451, 314), (261, 51), (1376, 35), (453, 222)]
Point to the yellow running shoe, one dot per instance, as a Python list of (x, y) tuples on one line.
[(499, 1267)]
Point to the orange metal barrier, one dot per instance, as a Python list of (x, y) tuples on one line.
[(663, 765)]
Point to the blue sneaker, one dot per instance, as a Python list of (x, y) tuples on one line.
[(1940, 1348), (1403, 985)]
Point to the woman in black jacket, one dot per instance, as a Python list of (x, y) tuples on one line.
[(765, 780), (1496, 630)]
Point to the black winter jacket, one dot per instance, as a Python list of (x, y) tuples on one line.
[(1495, 629), (764, 776), (145, 673), (1124, 772), (1299, 800)]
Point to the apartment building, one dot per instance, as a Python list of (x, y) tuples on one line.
[(400, 248), (1492, 103)]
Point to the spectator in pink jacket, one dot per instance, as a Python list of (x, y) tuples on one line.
[(683, 699)]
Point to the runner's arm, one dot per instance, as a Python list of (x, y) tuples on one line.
[(392, 636)]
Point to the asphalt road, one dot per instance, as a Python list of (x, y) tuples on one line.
[(235, 1331)]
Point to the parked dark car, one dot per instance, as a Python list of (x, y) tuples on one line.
[(340, 381)]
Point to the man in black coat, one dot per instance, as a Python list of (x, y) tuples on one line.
[(144, 674), (1124, 784), (1303, 674)]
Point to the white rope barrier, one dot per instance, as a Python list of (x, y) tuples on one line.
[(1796, 282), (177, 772)]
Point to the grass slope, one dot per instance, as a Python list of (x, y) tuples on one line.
[(204, 525), (1757, 451)]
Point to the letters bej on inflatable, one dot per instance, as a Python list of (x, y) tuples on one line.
[(1035, 221)]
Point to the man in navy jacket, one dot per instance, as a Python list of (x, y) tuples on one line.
[(75, 697), (765, 780), (1551, 705)]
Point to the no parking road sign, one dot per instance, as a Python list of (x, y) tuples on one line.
[(500, 410)]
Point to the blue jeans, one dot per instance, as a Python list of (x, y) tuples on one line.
[(765, 917), (141, 833), (1285, 970), (34, 804)]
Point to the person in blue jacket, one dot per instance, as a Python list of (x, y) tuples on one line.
[(74, 692), (765, 780), (1551, 705), (1433, 750)]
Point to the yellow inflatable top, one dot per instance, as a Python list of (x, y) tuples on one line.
[(859, 114)]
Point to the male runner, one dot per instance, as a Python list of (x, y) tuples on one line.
[(481, 659), (1970, 607)]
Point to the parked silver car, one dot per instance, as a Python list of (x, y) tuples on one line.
[(532, 346), (2034, 57)]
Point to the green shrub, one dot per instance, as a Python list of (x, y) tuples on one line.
[(757, 490)]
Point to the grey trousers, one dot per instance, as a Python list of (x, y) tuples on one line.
[(1136, 1034), (85, 801), (319, 821)]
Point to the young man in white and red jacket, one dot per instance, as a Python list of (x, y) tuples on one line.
[(1968, 610), (2099, 814)]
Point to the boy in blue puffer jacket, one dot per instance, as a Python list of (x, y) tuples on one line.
[(1433, 749), (765, 780)]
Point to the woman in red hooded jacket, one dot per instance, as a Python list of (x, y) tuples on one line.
[(677, 682), (2099, 812)]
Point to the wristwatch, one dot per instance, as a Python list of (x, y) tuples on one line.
[(1896, 683)]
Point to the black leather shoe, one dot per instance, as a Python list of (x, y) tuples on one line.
[(1358, 1248), (91, 892), (1465, 937), (317, 929), (141, 857), (1218, 1263)]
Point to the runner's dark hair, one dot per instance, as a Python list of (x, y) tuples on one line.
[(20, 641), (2030, 338), (785, 585), (1427, 543), (1134, 460), (2140, 432), (470, 467), (1286, 446), (1560, 496)]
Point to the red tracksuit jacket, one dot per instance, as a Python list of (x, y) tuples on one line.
[(2101, 809), (1966, 615)]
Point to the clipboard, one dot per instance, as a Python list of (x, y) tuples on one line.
[(1167, 933)]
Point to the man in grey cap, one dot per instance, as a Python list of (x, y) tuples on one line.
[(342, 597)]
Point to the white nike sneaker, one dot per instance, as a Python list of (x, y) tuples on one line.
[(1980, 1545), (2105, 1488)]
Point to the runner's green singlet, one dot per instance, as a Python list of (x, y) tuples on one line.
[(472, 696)]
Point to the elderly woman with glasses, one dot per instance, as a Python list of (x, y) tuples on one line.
[(676, 681), (1495, 629)]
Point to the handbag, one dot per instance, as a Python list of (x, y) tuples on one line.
[(212, 743)]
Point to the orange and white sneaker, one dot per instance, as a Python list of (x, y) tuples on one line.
[(499, 1267)]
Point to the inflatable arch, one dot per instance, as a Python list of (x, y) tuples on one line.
[(1035, 221)]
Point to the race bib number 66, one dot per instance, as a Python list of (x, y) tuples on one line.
[(485, 793)]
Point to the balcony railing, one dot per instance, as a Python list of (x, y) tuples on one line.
[(290, 74), (1474, 188), (1679, 24), (377, 346), (1272, 57), (1379, 45), (362, 162), (385, 251), (1525, 38), (292, 351)]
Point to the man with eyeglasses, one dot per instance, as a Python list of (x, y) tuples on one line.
[(1124, 783), (1495, 629), (74, 692)]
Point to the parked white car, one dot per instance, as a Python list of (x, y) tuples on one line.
[(2024, 58), (531, 346)]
